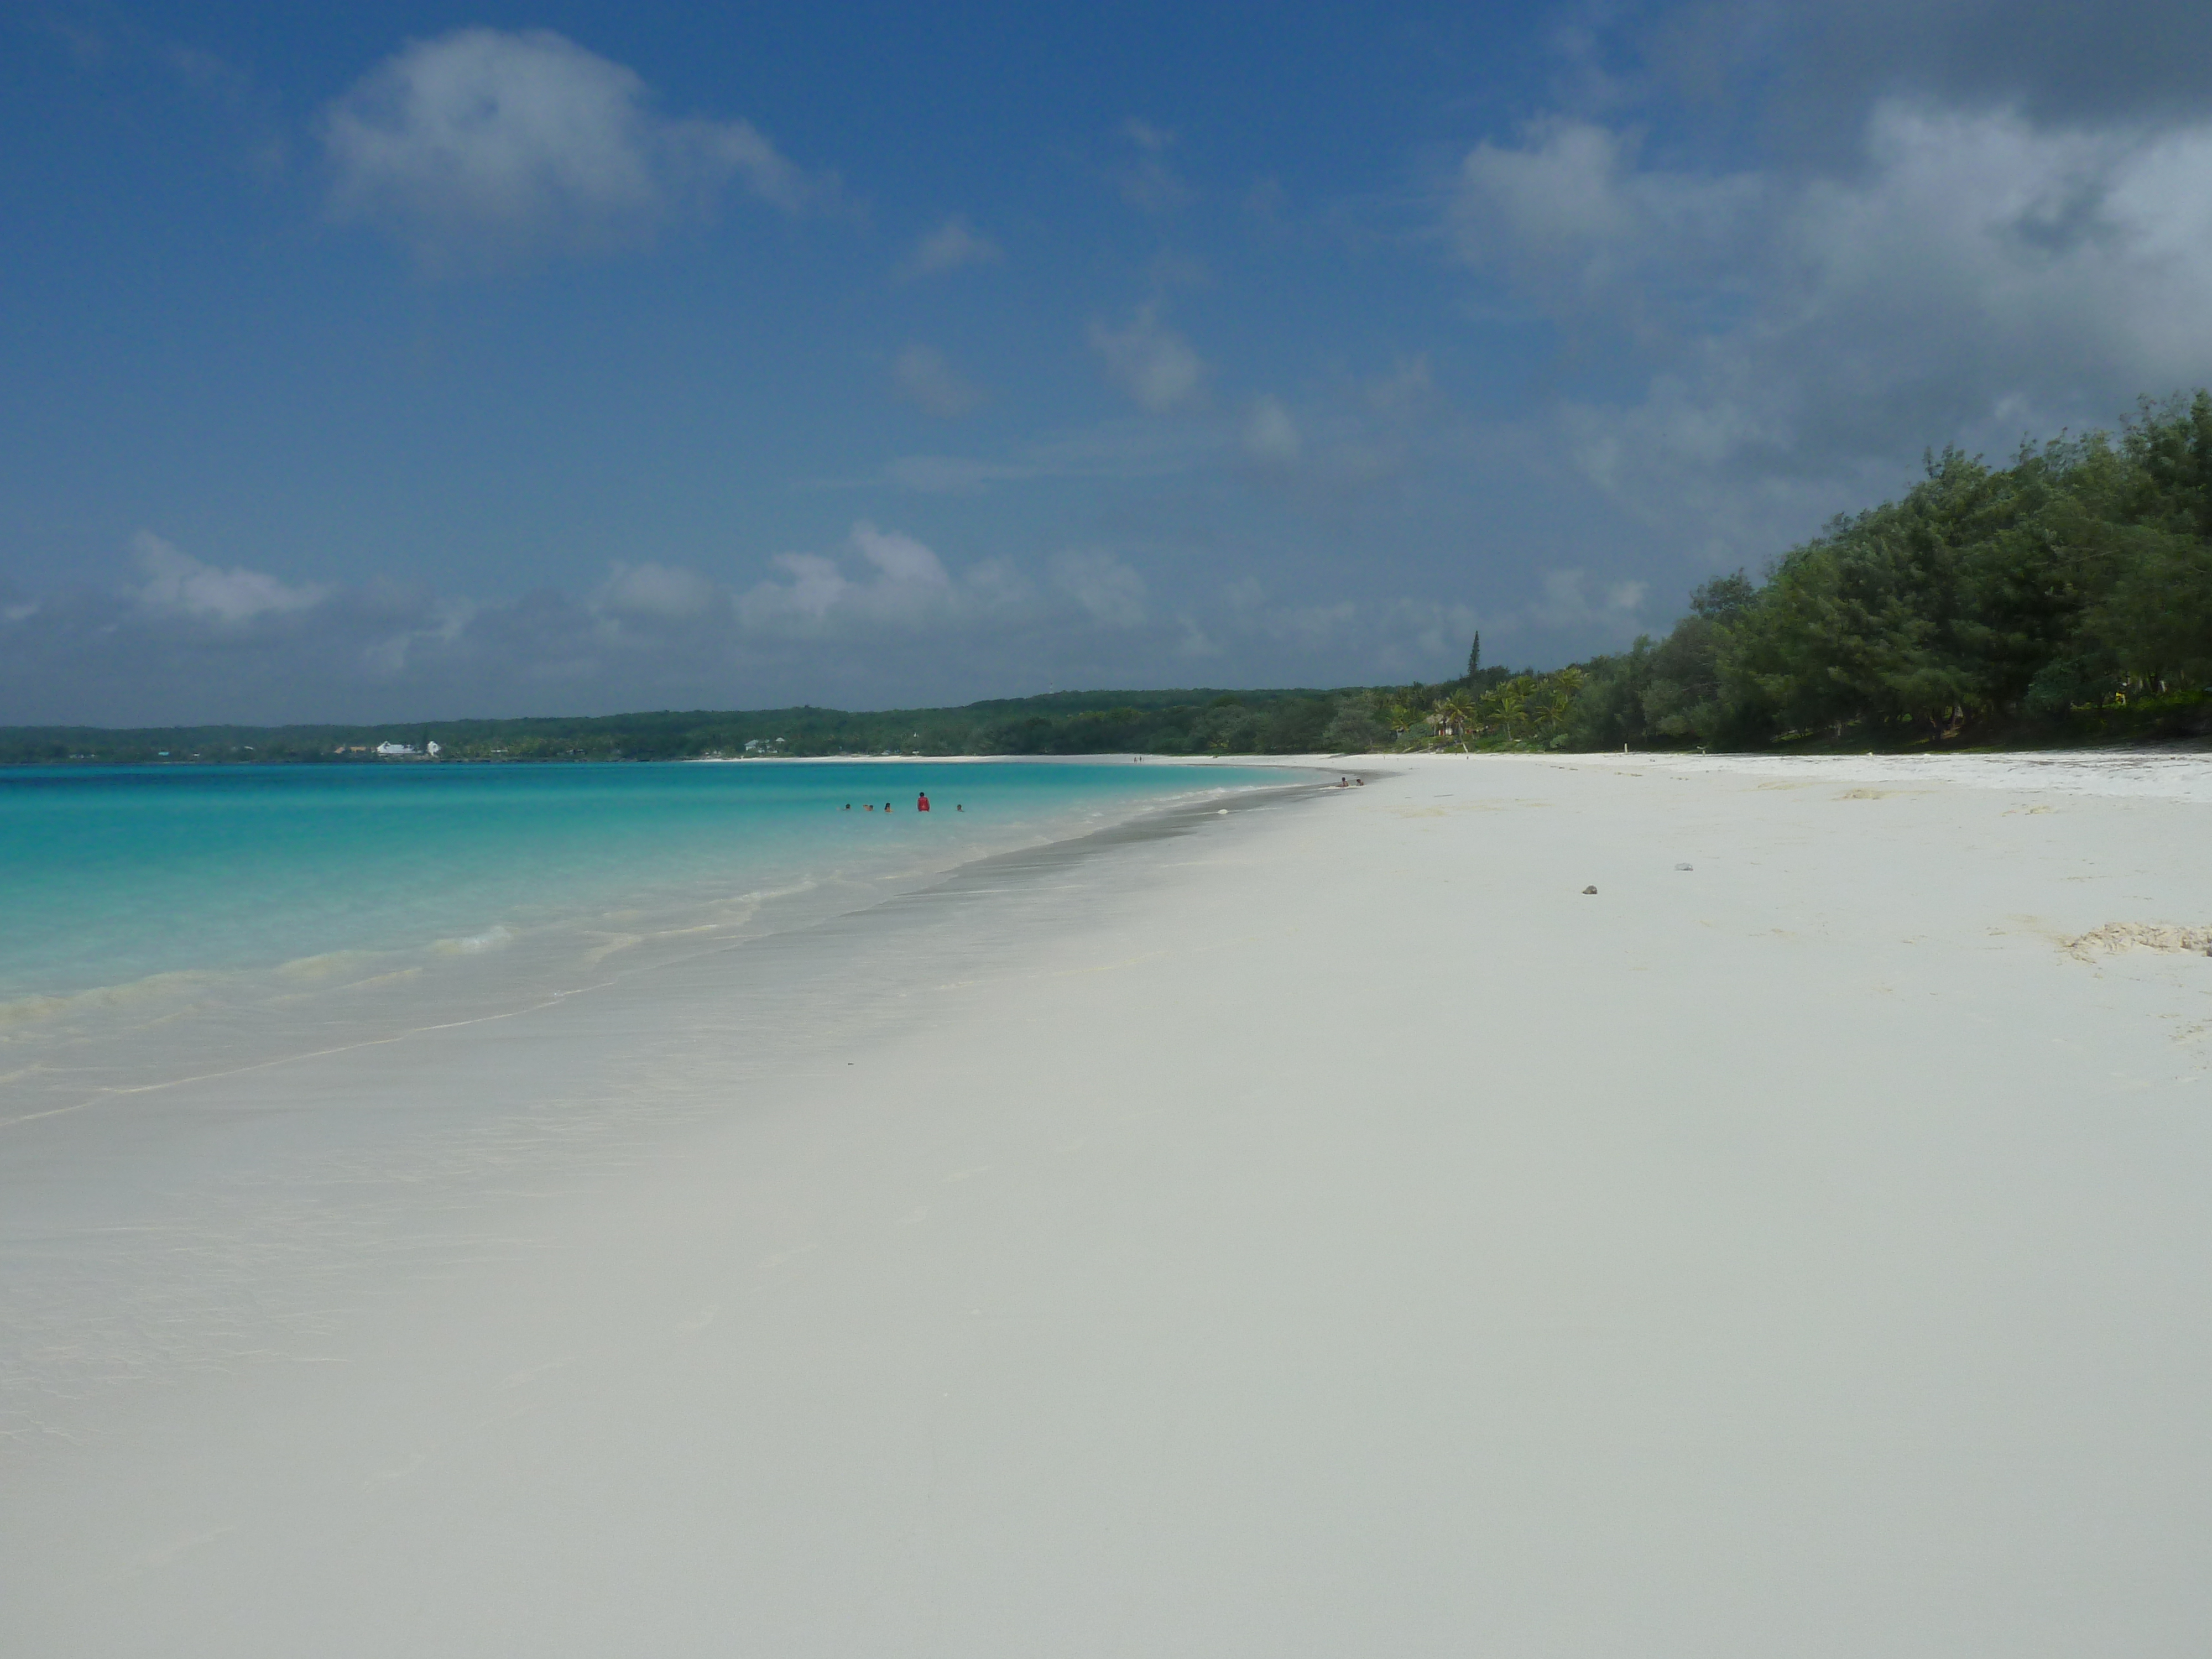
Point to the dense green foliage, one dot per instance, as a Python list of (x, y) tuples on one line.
[(2067, 594), (2067, 597)]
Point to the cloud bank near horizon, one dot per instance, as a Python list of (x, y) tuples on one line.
[(849, 627)]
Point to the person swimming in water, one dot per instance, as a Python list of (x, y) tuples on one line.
[(922, 801)]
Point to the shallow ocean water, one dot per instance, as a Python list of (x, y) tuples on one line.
[(170, 922), (120, 874)]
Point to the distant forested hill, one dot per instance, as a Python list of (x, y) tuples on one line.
[(1061, 723)]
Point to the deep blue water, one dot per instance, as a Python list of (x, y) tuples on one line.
[(110, 875)]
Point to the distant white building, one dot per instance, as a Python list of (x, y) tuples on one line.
[(395, 749), (432, 749)]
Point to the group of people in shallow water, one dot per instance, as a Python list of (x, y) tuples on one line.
[(921, 804), (921, 797)]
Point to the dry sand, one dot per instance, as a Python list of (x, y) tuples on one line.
[(1331, 1232)]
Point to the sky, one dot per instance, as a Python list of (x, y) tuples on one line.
[(403, 361)]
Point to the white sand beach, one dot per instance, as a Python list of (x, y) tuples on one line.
[(1328, 1230)]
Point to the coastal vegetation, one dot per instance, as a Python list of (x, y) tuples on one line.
[(2064, 598), (2068, 594), (1183, 722)]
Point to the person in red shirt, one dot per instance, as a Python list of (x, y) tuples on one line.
[(921, 803)]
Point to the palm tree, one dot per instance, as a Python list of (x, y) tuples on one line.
[(1455, 717), (1559, 691), (1504, 705)]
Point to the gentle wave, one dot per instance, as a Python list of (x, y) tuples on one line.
[(492, 938)]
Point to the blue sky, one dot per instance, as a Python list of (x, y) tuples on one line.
[(404, 362)]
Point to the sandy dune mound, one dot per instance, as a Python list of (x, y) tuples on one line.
[(2117, 936)]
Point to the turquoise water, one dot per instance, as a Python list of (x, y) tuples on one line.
[(117, 875)]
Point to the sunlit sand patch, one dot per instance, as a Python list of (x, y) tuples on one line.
[(164, 1554), (1463, 806), (2115, 937), (385, 1477), (530, 1374)]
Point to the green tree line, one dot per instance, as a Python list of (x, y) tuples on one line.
[(2068, 594), (2065, 598)]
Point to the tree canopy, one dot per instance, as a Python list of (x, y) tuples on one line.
[(1986, 600)]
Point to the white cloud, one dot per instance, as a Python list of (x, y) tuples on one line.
[(1574, 599), (926, 379), (1573, 218), (1795, 340), (901, 587), (1371, 639), (1271, 436), (899, 558), (1406, 389), (1150, 362), (879, 620), (905, 586), (482, 144), (439, 624), (1146, 180), (1110, 593), (811, 586), (175, 581), (953, 244), (663, 593)]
